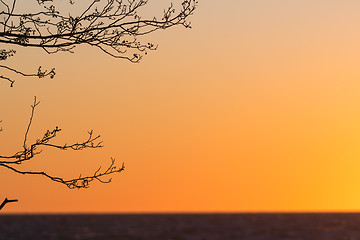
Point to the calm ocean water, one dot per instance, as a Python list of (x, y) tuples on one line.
[(182, 226)]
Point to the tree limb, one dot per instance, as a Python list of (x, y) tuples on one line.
[(113, 26), (30, 151)]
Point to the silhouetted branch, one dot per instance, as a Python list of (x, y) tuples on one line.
[(8, 79), (39, 74), (75, 183), (28, 153), (113, 26), (6, 201)]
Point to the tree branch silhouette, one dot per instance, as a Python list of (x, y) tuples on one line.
[(30, 151), (113, 26), (6, 201)]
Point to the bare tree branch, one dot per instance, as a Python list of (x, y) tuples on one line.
[(39, 74), (113, 26), (29, 152), (6, 201)]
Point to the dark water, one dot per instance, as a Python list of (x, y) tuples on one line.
[(182, 226)]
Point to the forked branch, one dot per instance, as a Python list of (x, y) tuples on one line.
[(6, 201)]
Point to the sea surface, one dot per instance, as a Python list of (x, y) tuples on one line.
[(344, 226)]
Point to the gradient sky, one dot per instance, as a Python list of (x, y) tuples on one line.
[(257, 108)]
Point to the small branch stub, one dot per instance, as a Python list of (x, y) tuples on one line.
[(6, 201)]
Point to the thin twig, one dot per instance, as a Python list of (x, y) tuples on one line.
[(30, 121)]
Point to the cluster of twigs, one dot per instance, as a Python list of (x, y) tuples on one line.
[(29, 151), (113, 26)]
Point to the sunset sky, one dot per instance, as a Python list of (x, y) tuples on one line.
[(254, 109)]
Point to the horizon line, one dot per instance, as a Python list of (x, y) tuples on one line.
[(187, 212)]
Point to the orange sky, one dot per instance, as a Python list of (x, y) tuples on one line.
[(257, 108)]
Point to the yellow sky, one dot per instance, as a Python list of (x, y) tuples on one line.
[(257, 108)]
